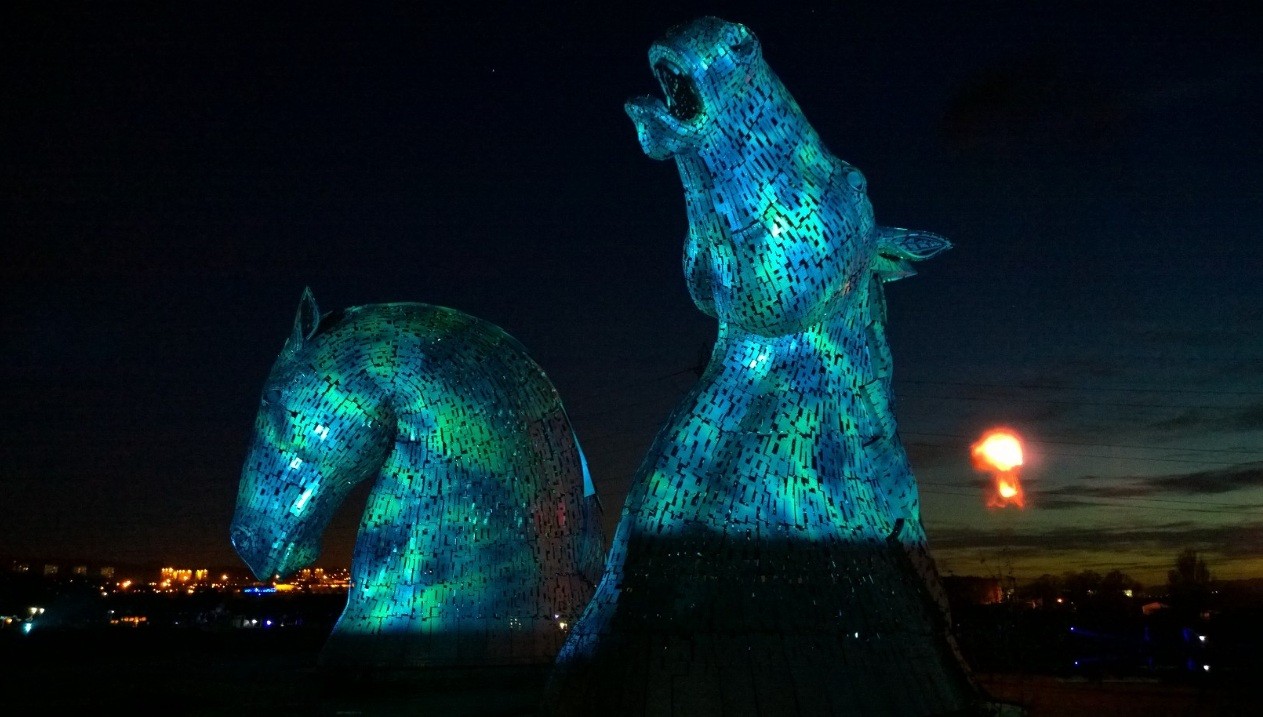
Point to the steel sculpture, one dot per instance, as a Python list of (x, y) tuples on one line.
[(770, 557), (479, 543)]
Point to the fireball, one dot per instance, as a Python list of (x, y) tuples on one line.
[(999, 452)]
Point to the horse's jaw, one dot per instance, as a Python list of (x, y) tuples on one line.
[(269, 559)]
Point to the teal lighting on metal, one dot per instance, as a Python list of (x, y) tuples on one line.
[(770, 556), (479, 543)]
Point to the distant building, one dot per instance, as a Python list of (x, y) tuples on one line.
[(183, 577), (972, 590)]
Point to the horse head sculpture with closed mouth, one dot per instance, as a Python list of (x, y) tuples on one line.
[(479, 543)]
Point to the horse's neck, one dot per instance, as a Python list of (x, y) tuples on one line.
[(832, 356), (716, 183)]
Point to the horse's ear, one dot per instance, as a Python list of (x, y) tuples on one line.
[(897, 248), (740, 40), (909, 244), (306, 320)]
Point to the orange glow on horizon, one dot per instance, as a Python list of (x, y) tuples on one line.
[(999, 452)]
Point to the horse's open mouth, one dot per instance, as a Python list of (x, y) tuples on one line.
[(683, 101)]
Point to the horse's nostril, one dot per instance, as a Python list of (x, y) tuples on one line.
[(241, 539)]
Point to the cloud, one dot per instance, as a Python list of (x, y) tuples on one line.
[(1230, 541), (1034, 102), (1249, 418), (1249, 475), (1242, 369), (1192, 418), (1069, 372), (1188, 338), (924, 455), (1206, 482), (1087, 491), (1043, 502), (1094, 491)]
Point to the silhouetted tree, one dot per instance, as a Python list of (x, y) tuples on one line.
[(1081, 587), (1116, 582), (1189, 583), (1043, 589)]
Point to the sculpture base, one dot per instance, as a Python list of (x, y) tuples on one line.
[(711, 626), (475, 646), (474, 690)]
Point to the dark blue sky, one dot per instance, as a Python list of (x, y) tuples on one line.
[(173, 177)]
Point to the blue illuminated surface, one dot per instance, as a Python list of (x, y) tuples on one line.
[(479, 544), (770, 556)]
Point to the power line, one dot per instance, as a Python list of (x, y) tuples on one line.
[(608, 390), (1055, 402), (1093, 504), (637, 434), (1099, 445), (1094, 501), (1066, 454), (1106, 497), (1163, 389)]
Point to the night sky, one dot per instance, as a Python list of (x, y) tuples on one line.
[(172, 177)]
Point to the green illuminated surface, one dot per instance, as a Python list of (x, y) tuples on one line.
[(770, 557), (479, 543)]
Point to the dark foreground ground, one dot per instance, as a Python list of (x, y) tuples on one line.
[(151, 671)]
